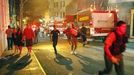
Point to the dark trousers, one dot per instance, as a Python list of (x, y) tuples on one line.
[(54, 46), (108, 66), (10, 43), (84, 38)]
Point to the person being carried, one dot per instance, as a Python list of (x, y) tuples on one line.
[(72, 33), (67, 32)]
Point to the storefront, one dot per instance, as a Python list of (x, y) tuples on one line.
[(4, 21)]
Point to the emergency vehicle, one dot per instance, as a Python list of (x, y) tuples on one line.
[(102, 22)]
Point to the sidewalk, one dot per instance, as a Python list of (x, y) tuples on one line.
[(20, 64), (131, 40)]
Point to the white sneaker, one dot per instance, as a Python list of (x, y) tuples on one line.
[(75, 52), (72, 52)]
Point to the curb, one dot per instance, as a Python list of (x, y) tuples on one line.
[(131, 40)]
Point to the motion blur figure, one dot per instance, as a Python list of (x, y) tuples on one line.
[(115, 45), (54, 38)]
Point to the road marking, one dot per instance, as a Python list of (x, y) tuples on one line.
[(39, 63)]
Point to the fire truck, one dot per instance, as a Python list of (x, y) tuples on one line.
[(102, 22), (99, 22)]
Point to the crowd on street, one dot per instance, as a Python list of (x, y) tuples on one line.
[(114, 44)]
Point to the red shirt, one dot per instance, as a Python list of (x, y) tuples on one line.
[(28, 33), (108, 42), (67, 32), (9, 33)]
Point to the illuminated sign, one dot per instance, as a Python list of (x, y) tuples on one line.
[(85, 18)]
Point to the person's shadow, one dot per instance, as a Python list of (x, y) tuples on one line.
[(90, 65), (63, 61), (19, 64), (8, 59)]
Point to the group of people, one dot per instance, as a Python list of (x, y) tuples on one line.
[(18, 37), (72, 32), (114, 45)]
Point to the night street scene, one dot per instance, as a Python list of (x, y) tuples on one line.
[(66, 37)]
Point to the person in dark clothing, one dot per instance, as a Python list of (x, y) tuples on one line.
[(114, 46), (19, 39), (54, 38), (36, 36), (83, 32), (14, 40)]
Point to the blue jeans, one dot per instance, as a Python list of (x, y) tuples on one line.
[(10, 43)]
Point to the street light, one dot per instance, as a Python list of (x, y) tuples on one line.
[(42, 20)]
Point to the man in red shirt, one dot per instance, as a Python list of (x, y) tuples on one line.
[(9, 33), (67, 32), (114, 46), (72, 33), (28, 34)]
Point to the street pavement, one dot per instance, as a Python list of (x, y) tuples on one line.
[(88, 60), (43, 61), (24, 64)]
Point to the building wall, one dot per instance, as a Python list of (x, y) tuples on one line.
[(57, 8), (4, 21), (71, 7), (124, 8), (119, 1), (124, 12), (78, 5)]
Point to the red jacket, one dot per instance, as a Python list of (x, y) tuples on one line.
[(108, 42), (28, 33)]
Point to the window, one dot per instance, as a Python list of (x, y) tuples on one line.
[(63, 3), (56, 4), (63, 14)]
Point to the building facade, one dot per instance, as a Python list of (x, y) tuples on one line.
[(57, 8), (4, 21), (71, 7), (125, 9), (125, 13)]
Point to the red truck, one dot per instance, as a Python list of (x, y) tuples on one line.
[(102, 22)]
